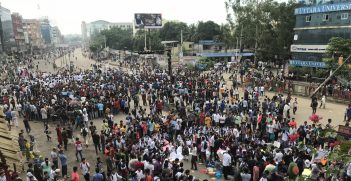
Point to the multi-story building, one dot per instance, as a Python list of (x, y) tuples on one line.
[(99, 25), (6, 31), (32, 33), (18, 31), (84, 32), (45, 28), (56, 37), (316, 23)]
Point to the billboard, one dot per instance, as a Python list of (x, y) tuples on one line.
[(144, 20), (308, 48)]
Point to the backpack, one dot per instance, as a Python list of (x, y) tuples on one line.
[(84, 132)]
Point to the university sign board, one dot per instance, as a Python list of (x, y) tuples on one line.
[(308, 48), (300, 63), (323, 8), (147, 20)]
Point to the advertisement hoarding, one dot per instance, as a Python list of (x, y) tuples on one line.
[(308, 48), (145, 20)]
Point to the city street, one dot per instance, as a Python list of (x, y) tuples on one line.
[(333, 111)]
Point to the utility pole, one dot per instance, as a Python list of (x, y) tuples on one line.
[(330, 76), (241, 35), (181, 46), (149, 39), (145, 40), (105, 40), (169, 59), (256, 33)]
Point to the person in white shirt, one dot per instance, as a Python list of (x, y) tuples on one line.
[(227, 163), (216, 117), (323, 102), (115, 176), (85, 167), (270, 131), (14, 118), (194, 157), (139, 173), (278, 156), (262, 90)]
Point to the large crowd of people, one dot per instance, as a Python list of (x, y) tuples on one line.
[(229, 126)]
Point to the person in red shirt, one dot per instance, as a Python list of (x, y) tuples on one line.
[(59, 134), (202, 118), (75, 175)]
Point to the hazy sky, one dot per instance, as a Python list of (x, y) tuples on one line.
[(68, 14)]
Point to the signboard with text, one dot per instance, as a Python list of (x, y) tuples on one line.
[(323, 8), (144, 20), (300, 63), (308, 48)]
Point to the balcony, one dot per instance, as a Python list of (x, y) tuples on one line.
[(20, 30)]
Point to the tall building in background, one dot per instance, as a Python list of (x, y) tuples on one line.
[(32, 33), (84, 32), (56, 37), (316, 23), (18, 31), (99, 25), (45, 28), (7, 35)]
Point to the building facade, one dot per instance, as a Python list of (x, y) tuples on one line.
[(56, 37), (6, 31), (17, 24), (316, 23), (99, 25), (32, 33), (45, 29), (84, 31)]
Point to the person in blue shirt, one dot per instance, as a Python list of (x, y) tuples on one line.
[(151, 127), (63, 159), (348, 113), (8, 117), (100, 108), (98, 176)]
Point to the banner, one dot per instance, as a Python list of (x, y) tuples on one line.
[(323, 8), (308, 48), (300, 63), (143, 20)]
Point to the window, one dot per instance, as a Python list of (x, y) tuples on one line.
[(308, 18), (344, 15), (325, 17)]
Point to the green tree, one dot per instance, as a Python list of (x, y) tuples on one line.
[(118, 38), (153, 36), (171, 31), (97, 41), (339, 46), (208, 30), (266, 26)]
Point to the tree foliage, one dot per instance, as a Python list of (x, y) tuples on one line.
[(118, 38), (339, 46), (266, 26)]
